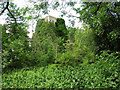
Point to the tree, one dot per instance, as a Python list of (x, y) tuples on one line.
[(45, 42), (104, 19), (80, 47), (7, 8), (61, 30), (15, 46), (38, 8)]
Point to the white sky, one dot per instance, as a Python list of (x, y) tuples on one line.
[(22, 3)]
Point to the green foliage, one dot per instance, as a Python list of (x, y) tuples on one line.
[(14, 48), (73, 47), (15, 45), (44, 42), (71, 3), (61, 28), (55, 5), (104, 19), (80, 47), (71, 34), (85, 43), (102, 74)]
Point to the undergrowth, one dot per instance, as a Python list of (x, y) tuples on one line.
[(104, 73)]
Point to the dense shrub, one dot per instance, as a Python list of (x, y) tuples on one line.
[(104, 73), (80, 47), (15, 47)]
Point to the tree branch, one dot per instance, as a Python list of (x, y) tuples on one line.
[(73, 16), (8, 11), (12, 15), (14, 19), (5, 8), (98, 8), (89, 6)]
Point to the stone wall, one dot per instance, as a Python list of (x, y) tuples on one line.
[(50, 19)]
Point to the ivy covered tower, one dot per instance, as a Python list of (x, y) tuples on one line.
[(50, 18)]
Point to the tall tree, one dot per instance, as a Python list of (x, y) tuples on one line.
[(61, 30), (104, 19), (15, 46)]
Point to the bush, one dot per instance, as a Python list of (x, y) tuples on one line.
[(104, 73), (80, 48), (15, 48)]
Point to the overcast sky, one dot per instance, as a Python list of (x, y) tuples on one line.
[(22, 3)]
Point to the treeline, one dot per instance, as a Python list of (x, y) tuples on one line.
[(54, 43), (51, 43)]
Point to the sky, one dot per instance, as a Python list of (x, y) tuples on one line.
[(54, 13)]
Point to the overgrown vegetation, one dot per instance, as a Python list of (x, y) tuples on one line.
[(102, 74), (59, 57), (79, 48)]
